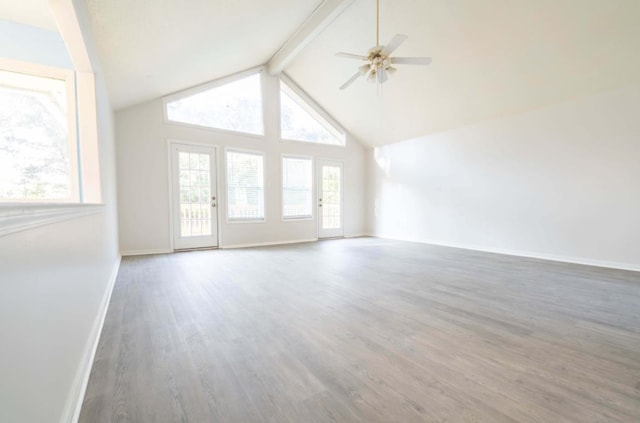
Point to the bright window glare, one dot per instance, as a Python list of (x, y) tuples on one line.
[(296, 187), (299, 122), (245, 186), (34, 142), (236, 106)]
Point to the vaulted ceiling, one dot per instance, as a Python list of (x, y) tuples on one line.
[(28, 12), (491, 58), (150, 48)]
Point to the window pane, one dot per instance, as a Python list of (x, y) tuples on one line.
[(331, 197), (302, 123), (236, 106), (195, 217), (34, 140), (296, 187), (245, 186)]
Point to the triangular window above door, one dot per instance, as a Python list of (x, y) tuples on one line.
[(302, 120), (233, 104)]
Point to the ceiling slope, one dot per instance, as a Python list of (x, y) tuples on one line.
[(28, 12), (321, 18), (150, 48), (490, 59)]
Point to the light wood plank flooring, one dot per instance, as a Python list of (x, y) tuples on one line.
[(366, 330)]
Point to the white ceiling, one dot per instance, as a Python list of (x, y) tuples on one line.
[(150, 48), (491, 58), (28, 12)]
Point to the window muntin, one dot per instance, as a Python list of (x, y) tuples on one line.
[(331, 195), (234, 106), (38, 151), (245, 186), (297, 187), (299, 121)]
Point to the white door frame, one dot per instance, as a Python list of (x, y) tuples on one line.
[(329, 233), (174, 185)]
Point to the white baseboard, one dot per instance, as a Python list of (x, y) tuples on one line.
[(72, 409), (145, 252), (266, 244), (356, 235), (529, 254), (232, 246)]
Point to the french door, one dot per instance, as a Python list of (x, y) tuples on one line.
[(194, 197), (330, 190)]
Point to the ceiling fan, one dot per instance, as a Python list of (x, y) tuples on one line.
[(378, 63)]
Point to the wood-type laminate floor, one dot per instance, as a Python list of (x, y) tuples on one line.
[(366, 330)]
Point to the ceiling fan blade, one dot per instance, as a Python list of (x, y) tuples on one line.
[(351, 80), (382, 76), (393, 44), (364, 69), (351, 56), (411, 60)]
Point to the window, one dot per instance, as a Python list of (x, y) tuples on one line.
[(245, 185), (38, 152), (234, 106), (299, 121), (297, 176)]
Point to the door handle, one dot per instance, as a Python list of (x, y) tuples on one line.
[(213, 201)]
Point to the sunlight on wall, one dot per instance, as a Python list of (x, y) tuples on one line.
[(383, 162)]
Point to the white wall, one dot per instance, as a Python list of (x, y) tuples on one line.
[(561, 182), (143, 186), (53, 281)]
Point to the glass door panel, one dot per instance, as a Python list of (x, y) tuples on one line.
[(195, 202), (330, 199)]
